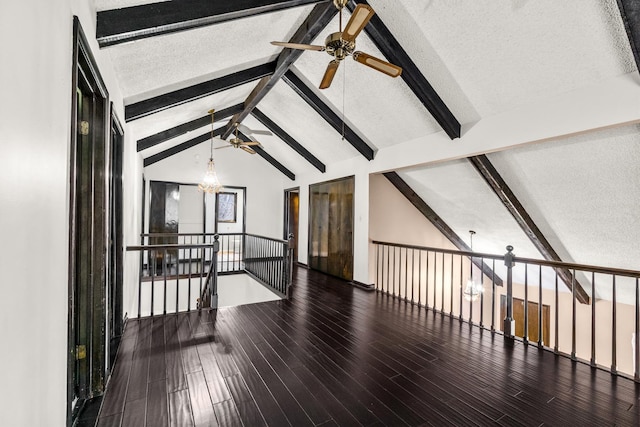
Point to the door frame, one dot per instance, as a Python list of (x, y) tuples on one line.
[(286, 218), (83, 66)]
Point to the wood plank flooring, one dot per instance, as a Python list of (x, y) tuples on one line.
[(338, 356)]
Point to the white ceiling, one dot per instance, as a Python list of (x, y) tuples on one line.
[(486, 59)]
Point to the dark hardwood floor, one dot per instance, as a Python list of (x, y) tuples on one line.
[(337, 355)]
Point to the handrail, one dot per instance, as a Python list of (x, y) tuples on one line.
[(267, 238), (548, 263), (170, 246)]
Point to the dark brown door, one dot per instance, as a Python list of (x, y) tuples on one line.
[(518, 316), (331, 227), (89, 227), (292, 209)]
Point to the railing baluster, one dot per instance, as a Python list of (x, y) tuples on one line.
[(426, 275), (406, 272), (442, 289), (189, 298), (472, 291), (153, 276), (164, 272), (573, 315), (482, 294), (451, 289), (555, 345), (461, 285), (614, 356), (493, 297), (388, 269), (540, 330), (413, 272), (140, 281), (435, 279), (593, 319), (636, 374), (177, 281), (525, 337)]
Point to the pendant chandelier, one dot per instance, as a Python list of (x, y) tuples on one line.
[(473, 290), (210, 183)]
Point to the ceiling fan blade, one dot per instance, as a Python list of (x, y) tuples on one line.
[(299, 46), (359, 19), (226, 146), (247, 149), (328, 75), (248, 131), (377, 64), (245, 144)]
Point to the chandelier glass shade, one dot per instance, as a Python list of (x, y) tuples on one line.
[(473, 290), (210, 183)]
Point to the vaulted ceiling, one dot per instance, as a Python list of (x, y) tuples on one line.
[(464, 63)]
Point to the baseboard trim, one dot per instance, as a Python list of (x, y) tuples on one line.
[(303, 265), (364, 286)]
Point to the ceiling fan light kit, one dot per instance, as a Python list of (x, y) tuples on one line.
[(343, 43)]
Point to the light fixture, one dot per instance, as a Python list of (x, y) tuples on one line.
[(473, 290), (210, 183)]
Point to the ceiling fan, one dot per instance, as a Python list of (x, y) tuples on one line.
[(343, 43), (236, 142)]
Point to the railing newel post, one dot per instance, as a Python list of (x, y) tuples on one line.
[(509, 323)]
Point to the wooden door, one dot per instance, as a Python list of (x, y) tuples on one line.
[(291, 211), (89, 255), (518, 316), (331, 227)]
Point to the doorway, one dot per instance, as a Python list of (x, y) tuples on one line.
[(291, 217), (331, 227), (116, 240), (89, 229)]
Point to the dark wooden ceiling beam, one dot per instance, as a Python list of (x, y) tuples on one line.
[(288, 139), (317, 20), (177, 97), (276, 164), (437, 221), (184, 128), (413, 77), (515, 208), (328, 114), (181, 147), (148, 20), (630, 12)]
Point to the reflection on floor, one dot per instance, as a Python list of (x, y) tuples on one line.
[(241, 289)]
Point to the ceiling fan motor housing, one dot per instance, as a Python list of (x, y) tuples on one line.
[(340, 3), (337, 47)]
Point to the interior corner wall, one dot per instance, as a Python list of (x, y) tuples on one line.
[(36, 40), (264, 198)]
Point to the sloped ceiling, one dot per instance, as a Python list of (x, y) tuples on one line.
[(487, 62)]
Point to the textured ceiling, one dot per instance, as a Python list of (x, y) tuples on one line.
[(507, 53), (154, 65)]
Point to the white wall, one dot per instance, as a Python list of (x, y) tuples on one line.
[(265, 199), (35, 82)]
